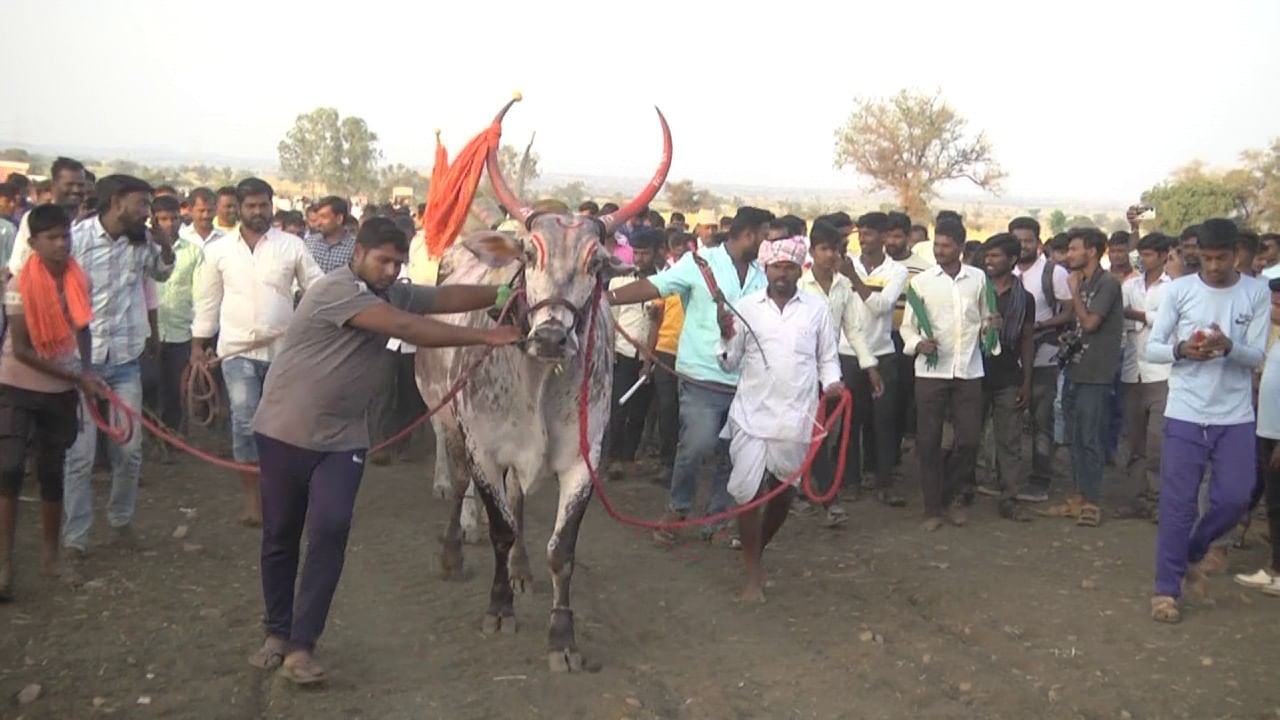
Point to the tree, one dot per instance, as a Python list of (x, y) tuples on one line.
[(323, 149), (911, 143), (1257, 184), (1057, 222), (510, 160), (686, 197), (1081, 221), (398, 175), (360, 157), (1191, 198), (572, 194)]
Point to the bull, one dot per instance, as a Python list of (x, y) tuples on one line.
[(516, 419)]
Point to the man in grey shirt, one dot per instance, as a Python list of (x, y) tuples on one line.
[(1093, 355), (310, 427)]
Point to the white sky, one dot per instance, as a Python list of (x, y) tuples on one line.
[(1082, 100)]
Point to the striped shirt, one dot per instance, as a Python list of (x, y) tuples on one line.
[(116, 269)]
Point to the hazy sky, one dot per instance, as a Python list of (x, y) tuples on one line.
[(1083, 100)]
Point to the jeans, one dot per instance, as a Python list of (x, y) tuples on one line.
[(162, 382), (703, 413), (1188, 448), (626, 422), (1271, 479), (666, 389), (945, 475), (1044, 406), (1090, 403), (1144, 417), (1006, 423), (318, 489), (244, 378), (125, 380)]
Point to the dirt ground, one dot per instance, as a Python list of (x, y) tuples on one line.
[(874, 620)]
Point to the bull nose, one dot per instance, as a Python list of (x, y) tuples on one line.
[(549, 340)]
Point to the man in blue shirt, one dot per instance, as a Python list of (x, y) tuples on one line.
[(704, 406), (1213, 327)]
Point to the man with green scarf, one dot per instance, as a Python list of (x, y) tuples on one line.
[(943, 326)]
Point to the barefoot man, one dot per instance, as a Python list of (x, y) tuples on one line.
[(310, 428), (771, 419)]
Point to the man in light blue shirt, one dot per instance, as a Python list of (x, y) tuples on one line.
[(116, 254), (704, 402), (1212, 326)]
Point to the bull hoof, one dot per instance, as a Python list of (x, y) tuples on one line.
[(494, 624), (563, 661)]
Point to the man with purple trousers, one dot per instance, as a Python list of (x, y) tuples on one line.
[(1212, 326)]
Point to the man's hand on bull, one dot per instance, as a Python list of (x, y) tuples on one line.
[(504, 335)]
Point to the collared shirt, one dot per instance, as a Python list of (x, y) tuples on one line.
[(955, 308), (1033, 280), (777, 396), (700, 336), (915, 264), (848, 314), (176, 295), (1145, 298), (633, 319), (188, 232), (116, 269), (246, 296), (891, 278), (331, 257)]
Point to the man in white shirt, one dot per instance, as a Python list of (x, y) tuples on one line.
[(1145, 385), (849, 317), (878, 281), (244, 295), (949, 371), (201, 230), (626, 422), (1047, 283), (772, 416)]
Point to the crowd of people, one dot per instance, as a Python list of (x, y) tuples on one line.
[(728, 331)]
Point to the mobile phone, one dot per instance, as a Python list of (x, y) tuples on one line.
[(1148, 213)]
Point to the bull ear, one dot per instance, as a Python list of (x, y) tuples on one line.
[(608, 266), (494, 249)]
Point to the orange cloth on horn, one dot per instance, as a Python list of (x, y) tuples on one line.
[(46, 324), (453, 187)]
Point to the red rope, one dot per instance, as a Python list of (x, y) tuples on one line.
[(132, 415), (843, 407)]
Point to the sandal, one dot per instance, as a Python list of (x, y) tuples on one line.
[(1068, 509), (1165, 609), (303, 672), (268, 657), (1090, 516), (663, 536)]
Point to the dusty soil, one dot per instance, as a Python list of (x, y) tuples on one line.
[(875, 620)]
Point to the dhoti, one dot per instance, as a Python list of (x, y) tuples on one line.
[(754, 456)]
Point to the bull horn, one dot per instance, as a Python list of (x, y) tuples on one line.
[(650, 191), (514, 205)]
